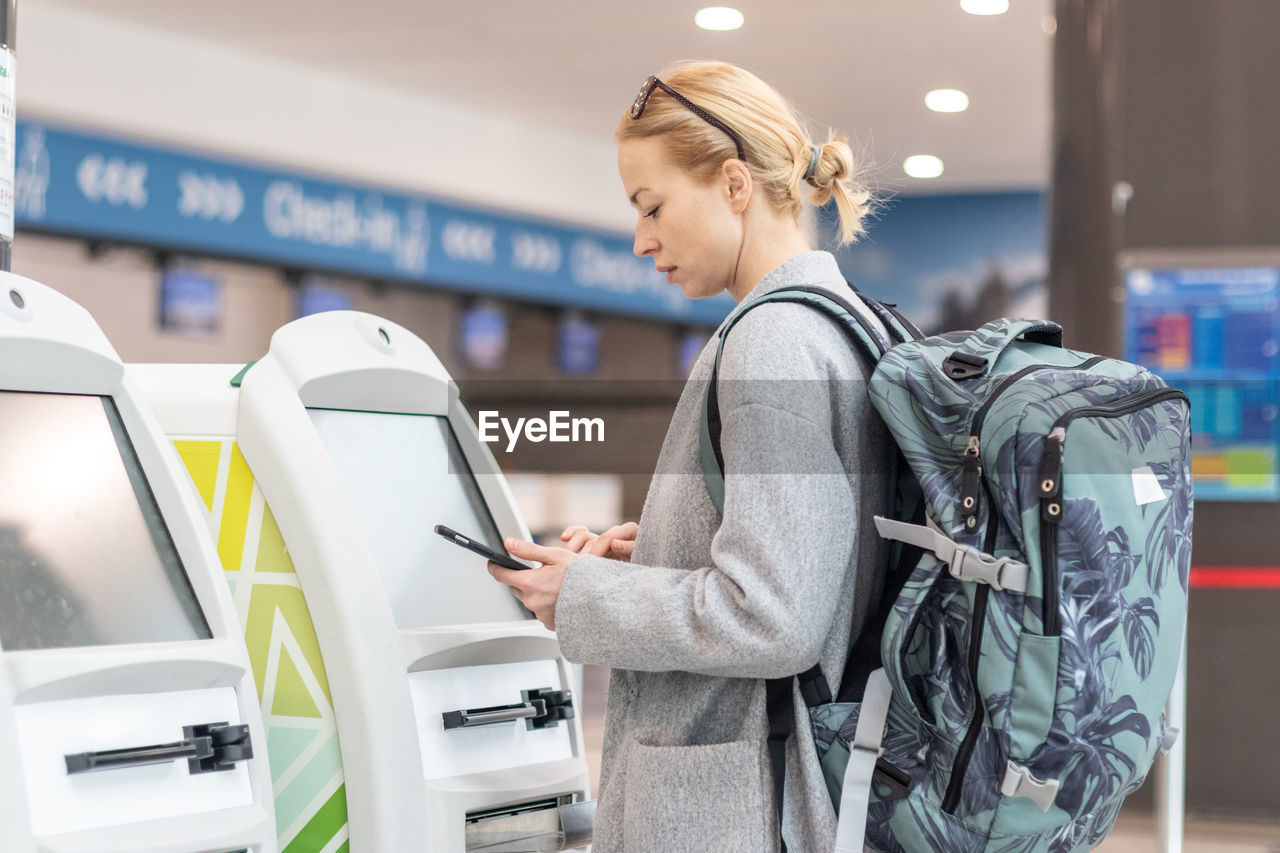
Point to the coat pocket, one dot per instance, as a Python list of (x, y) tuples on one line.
[(695, 798)]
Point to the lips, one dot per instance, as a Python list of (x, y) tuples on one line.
[(669, 271)]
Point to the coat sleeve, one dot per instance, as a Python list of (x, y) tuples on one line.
[(764, 607)]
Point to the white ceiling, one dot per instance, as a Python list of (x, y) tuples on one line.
[(861, 66)]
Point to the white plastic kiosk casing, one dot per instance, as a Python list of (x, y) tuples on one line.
[(356, 438), (116, 630)]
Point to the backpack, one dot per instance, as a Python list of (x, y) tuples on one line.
[(1010, 691)]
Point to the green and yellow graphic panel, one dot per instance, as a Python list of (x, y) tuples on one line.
[(302, 738)]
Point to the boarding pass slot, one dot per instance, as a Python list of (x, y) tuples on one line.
[(488, 716), (542, 708), (208, 748), (534, 826)]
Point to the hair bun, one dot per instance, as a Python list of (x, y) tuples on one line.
[(839, 158)]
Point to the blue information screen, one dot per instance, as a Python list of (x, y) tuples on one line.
[(190, 301), (1215, 334)]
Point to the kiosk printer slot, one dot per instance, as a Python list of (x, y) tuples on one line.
[(455, 712), (128, 720)]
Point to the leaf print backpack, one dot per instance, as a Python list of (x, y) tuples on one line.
[(1011, 693)]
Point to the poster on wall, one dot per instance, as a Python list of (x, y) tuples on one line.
[(954, 262), (1214, 332)]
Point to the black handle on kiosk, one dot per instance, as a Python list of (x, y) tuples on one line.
[(473, 717), (208, 748), (542, 708)]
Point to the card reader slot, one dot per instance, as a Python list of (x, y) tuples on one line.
[(208, 747), (510, 810), (542, 708), (139, 756), (495, 714)]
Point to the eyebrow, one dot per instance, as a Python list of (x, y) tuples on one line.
[(636, 193)]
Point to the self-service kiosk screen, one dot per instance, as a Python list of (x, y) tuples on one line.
[(404, 475), (85, 557)]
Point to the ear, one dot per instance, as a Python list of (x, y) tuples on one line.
[(738, 184)]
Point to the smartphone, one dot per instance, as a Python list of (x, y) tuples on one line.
[(502, 558)]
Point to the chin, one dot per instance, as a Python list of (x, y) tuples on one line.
[(694, 290)]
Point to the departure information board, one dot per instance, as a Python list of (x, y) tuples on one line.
[(1215, 333)]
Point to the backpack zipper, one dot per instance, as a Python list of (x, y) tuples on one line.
[(1050, 488), (970, 464), (970, 483), (976, 629)]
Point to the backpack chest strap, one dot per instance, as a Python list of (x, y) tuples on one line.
[(965, 562)]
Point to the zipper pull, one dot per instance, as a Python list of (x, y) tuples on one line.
[(1050, 473), (970, 484)]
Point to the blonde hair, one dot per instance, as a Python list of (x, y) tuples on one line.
[(774, 142)]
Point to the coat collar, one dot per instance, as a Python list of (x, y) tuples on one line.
[(816, 269)]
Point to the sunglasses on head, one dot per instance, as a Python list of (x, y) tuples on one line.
[(642, 100)]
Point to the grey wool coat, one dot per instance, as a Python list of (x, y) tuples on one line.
[(709, 607)]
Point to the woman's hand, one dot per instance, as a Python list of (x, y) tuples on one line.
[(537, 589), (616, 543)]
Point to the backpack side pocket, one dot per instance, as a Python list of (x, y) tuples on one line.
[(1035, 691)]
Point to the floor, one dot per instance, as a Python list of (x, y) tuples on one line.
[(1133, 834), (1138, 835)]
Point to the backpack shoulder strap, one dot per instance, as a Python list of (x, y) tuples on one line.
[(872, 343), (867, 339), (900, 328)]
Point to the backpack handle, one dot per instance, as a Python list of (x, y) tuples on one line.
[(981, 349)]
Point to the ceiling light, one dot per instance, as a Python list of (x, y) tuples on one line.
[(947, 101), (985, 7), (718, 18), (922, 166)]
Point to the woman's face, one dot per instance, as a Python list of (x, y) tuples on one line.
[(690, 229)]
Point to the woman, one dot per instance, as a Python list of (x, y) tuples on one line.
[(693, 610)]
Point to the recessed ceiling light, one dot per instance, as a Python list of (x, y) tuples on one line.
[(718, 18), (922, 166), (985, 7), (947, 101)]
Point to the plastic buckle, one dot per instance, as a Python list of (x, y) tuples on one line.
[(1018, 782), (962, 365), (889, 782), (970, 564)]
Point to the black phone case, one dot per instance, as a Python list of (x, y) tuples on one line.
[(464, 541)]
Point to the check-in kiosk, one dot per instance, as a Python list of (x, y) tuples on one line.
[(454, 709), (128, 718)]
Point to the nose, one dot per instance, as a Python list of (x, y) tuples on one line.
[(646, 244)]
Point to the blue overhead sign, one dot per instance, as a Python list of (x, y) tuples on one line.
[(74, 183)]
